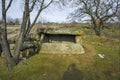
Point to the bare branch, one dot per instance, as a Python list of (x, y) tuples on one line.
[(34, 1), (9, 5), (47, 4), (40, 9), (38, 13), (99, 11)]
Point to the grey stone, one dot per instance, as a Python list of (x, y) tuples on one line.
[(59, 48)]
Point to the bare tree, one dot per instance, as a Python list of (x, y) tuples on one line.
[(3, 34), (99, 11), (26, 26)]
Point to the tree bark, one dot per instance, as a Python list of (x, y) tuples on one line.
[(4, 40), (97, 30), (97, 25), (22, 32), (18, 47)]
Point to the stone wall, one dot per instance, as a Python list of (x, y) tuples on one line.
[(62, 48)]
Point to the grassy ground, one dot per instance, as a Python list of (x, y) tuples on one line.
[(52, 67)]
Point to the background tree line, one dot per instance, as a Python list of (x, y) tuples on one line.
[(11, 21)]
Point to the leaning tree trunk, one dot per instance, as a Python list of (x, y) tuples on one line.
[(22, 32), (18, 47), (20, 40)]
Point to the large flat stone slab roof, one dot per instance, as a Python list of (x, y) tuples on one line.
[(67, 31)]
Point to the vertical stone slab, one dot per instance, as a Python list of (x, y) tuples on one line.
[(78, 39)]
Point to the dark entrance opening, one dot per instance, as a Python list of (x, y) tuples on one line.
[(51, 38)]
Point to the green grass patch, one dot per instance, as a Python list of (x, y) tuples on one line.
[(52, 66)]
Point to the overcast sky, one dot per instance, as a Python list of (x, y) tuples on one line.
[(52, 14)]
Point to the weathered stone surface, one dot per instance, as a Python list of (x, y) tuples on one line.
[(78, 39), (61, 41), (59, 48), (67, 31)]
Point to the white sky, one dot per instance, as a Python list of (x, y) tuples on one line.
[(52, 14)]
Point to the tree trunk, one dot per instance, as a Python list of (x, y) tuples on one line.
[(22, 32), (4, 40), (6, 50), (18, 47), (97, 30), (20, 39)]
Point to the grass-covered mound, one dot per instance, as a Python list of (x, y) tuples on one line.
[(52, 67), (92, 66)]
